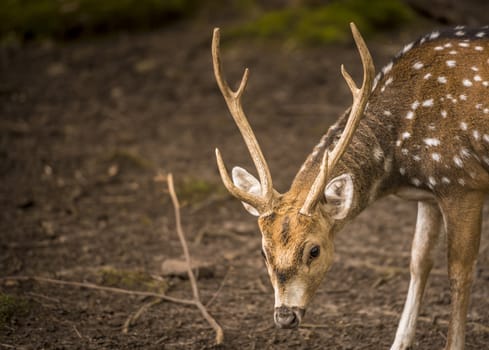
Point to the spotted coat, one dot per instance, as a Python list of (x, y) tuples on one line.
[(428, 116)]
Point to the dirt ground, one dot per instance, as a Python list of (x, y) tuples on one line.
[(86, 126)]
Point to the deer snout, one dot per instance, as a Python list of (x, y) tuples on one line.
[(288, 317)]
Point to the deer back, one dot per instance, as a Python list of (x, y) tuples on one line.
[(434, 97)]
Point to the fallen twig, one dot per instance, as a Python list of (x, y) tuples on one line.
[(211, 300), (191, 277), (136, 315), (97, 287), (77, 332)]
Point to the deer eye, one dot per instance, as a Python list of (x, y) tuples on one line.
[(314, 252)]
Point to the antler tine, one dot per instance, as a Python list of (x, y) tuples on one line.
[(317, 186), (360, 98), (233, 101), (255, 201)]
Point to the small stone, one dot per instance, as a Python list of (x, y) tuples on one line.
[(178, 268)]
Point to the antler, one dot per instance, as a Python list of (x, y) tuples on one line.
[(233, 101), (360, 98)]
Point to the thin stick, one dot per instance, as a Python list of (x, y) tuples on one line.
[(77, 332), (191, 277), (181, 236), (97, 287), (211, 300), (135, 316)]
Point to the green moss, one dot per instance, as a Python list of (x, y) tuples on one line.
[(192, 190), (327, 23), (129, 160), (33, 19), (131, 279), (10, 307)]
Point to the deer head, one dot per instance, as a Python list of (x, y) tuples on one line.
[(298, 226)]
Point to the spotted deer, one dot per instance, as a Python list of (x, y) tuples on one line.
[(418, 130)]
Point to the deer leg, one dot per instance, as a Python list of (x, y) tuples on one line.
[(425, 238), (462, 216)]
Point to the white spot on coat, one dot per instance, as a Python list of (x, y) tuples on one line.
[(460, 33), (461, 182), (436, 156), (444, 113), (445, 180), (477, 78), (465, 153), (463, 44), (387, 68), (415, 181), (434, 35), (480, 34), (474, 68), (442, 80), (406, 135), (485, 137), (387, 113), (479, 48), (451, 63), (407, 47), (432, 142), (463, 97), (438, 48), (416, 158), (410, 115), (415, 105), (432, 181), (458, 162), (428, 103), (476, 135), (427, 76), (418, 65), (463, 126), (467, 82)]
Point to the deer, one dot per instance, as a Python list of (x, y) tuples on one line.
[(419, 130)]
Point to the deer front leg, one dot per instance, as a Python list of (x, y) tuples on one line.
[(425, 238), (462, 217)]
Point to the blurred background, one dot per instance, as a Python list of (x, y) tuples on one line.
[(310, 21)]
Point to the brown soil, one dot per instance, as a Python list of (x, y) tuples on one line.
[(86, 126)]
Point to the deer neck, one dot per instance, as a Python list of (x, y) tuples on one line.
[(368, 159)]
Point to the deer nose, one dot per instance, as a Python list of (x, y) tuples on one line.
[(287, 317)]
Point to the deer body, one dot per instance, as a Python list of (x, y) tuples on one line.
[(421, 131)]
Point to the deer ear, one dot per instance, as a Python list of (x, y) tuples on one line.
[(339, 196), (249, 183)]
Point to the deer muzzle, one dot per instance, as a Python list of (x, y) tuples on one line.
[(288, 317)]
